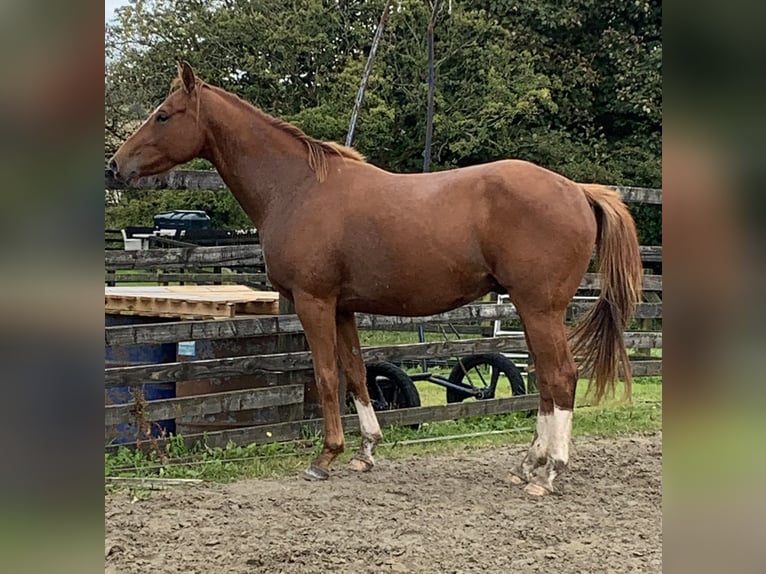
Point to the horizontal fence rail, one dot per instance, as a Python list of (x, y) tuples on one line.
[(181, 179), (180, 277), (201, 405), (282, 362), (229, 256), (590, 281), (292, 430), (209, 180), (183, 257), (282, 324), (651, 253)]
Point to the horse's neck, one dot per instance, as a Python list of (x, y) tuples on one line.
[(263, 166)]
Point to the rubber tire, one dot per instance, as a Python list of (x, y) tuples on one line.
[(407, 395), (504, 364)]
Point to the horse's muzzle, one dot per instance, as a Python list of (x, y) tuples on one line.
[(112, 171), (111, 167)]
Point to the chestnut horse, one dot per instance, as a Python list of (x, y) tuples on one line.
[(340, 236)]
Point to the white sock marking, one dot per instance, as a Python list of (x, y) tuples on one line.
[(540, 444), (368, 422), (559, 434), (554, 432)]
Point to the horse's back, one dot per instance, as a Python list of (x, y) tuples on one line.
[(504, 198), (469, 214), (508, 180), (447, 237)]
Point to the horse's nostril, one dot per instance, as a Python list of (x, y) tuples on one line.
[(113, 165)]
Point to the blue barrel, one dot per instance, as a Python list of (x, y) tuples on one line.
[(121, 356)]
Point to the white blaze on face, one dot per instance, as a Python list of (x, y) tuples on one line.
[(368, 422)]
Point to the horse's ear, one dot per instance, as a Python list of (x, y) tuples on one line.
[(187, 76)]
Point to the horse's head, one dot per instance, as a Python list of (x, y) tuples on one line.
[(170, 136)]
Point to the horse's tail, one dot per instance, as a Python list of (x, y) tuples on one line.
[(597, 341)]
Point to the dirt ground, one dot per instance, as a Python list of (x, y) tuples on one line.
[(455, 513)]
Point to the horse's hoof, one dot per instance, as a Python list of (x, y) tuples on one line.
[(536, 490), (313, 472), (518, 475), (516, 479), (360, 465)]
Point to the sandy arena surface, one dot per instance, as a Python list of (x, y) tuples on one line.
[(446, 513)]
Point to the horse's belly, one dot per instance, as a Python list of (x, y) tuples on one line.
[(419, 297)]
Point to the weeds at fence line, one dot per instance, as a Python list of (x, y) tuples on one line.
[(285, 459)]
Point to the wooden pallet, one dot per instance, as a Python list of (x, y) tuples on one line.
[(190, 301)]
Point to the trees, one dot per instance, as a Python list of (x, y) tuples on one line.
[(575, 87)]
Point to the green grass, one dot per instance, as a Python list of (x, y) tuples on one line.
[(613, 418), (370, 338)]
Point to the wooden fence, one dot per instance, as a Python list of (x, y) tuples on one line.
[(202, 180), (279, 381)]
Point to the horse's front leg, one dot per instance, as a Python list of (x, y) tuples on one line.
[(352, 365), (317, 316)]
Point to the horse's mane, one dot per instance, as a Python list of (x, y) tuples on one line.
[(316, 150)]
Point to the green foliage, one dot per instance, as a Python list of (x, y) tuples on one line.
[(648, 220), (140, 207), (575, 86)]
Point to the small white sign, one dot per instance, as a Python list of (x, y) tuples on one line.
[(187, 348)]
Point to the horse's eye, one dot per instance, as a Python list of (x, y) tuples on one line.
[(162, 117)]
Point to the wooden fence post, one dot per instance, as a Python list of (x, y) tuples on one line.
[(286, 307)]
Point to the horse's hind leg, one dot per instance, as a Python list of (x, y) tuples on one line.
[(556, 380), (352, 365), (318, 319)]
